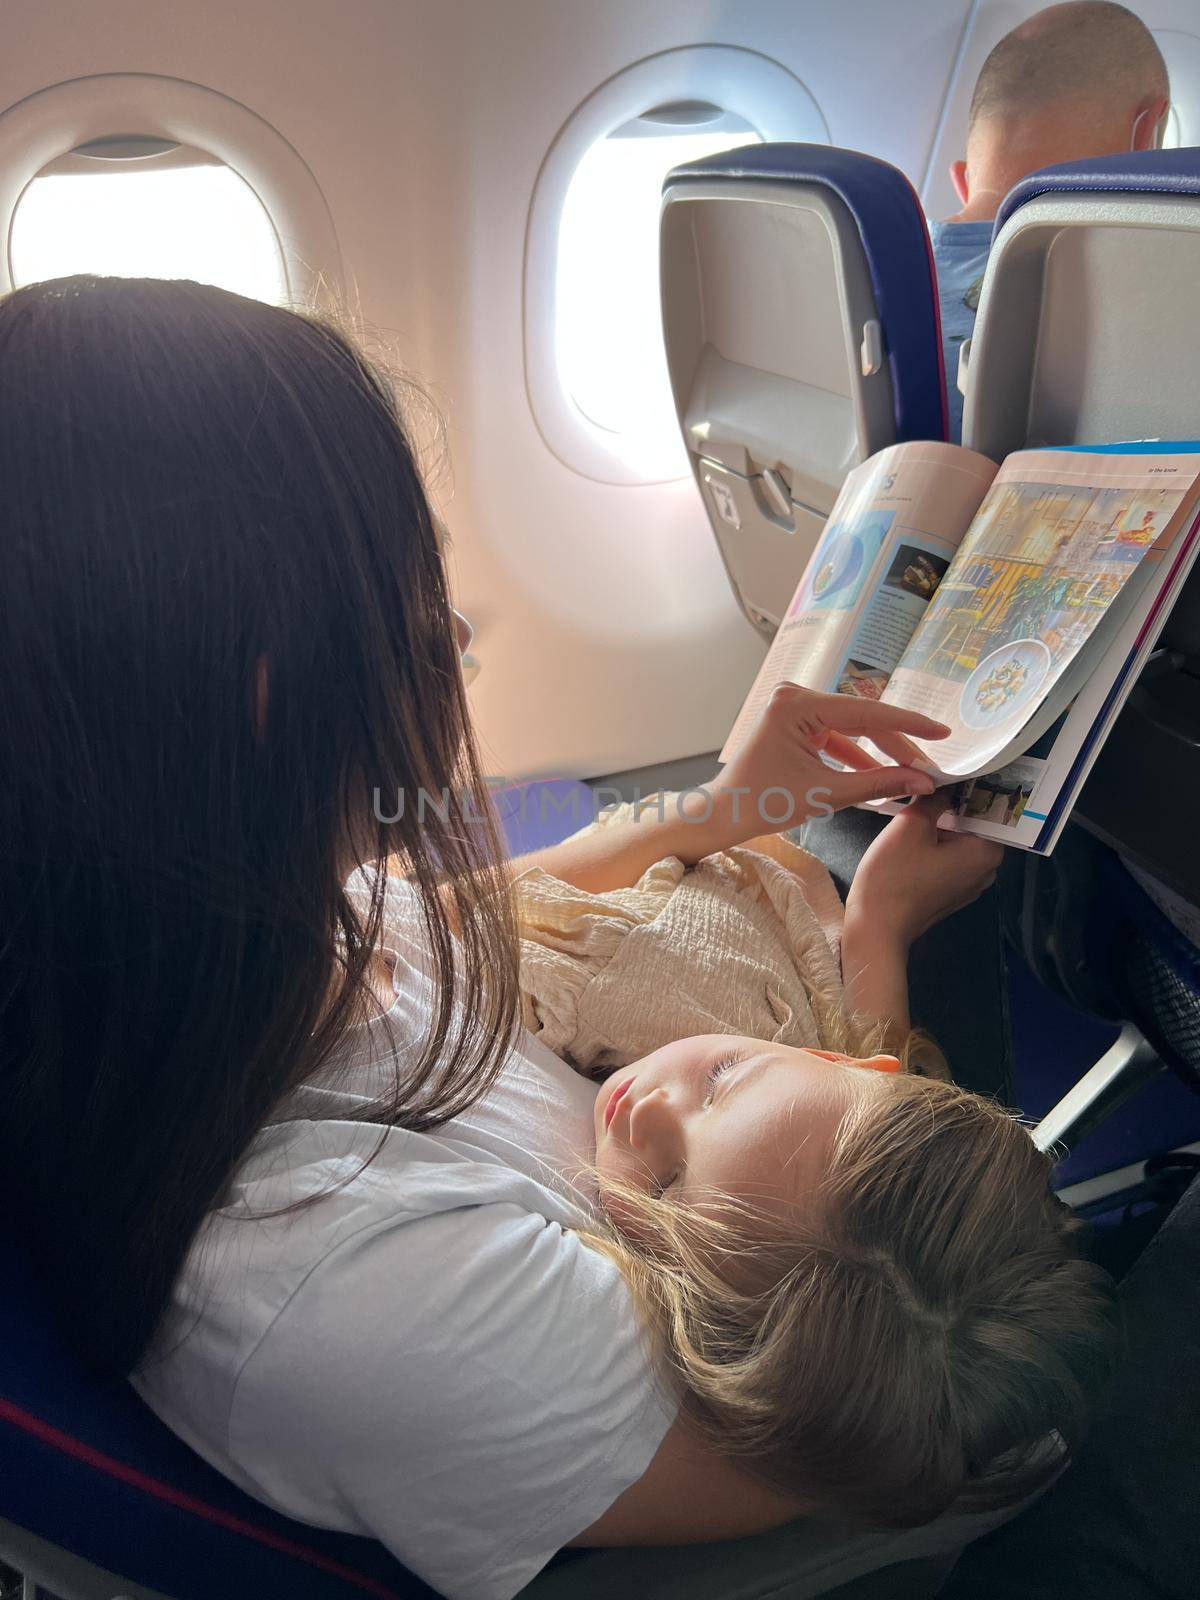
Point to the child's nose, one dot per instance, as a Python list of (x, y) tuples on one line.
[(651, 1122)]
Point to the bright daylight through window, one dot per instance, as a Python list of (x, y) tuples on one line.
[(608, 333), (149, 209)]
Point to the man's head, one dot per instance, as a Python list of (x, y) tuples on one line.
[(1081, 79)]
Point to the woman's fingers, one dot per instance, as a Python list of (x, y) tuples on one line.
[(848, 753), (933, 805), (797, 728), (849, 713), (902, 750), (920, 820), (879, 783)]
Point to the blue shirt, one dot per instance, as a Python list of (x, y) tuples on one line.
[(960, 252)]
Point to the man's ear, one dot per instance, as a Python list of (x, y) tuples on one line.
[(1150, 124), (958, 177), (1162, 110)]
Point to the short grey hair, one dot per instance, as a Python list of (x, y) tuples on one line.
[(1084, 50)]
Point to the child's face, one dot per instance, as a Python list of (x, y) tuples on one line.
[(728, 1114)]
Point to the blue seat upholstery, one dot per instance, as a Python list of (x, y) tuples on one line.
[(1141, 172), (543, 812), (89, 1468), (895, 238)]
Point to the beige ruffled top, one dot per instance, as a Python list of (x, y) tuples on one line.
[(745, 942)]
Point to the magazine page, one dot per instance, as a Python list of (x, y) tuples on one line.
[(1028, 802), (1007, 805), (888, 540), (1004, 805), (1059, 542), (1102, 698)]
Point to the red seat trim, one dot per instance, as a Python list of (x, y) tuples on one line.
[(182, 1501)]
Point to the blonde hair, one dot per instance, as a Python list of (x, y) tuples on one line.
[(913, 1344)]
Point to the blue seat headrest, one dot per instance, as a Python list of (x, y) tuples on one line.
[(1137, 172), (899, 258)]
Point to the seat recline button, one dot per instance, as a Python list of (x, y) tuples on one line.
[(776, 492)]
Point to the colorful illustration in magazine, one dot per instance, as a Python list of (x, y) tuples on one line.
[(841, 562), (1040, 566)]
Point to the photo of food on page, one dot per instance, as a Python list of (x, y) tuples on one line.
[(1054, 544), (889, 620)]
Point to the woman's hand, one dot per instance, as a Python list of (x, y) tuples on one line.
[(913, 875), (778, 778)]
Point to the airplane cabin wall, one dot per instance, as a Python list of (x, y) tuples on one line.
[(608, 634), (605, 627)]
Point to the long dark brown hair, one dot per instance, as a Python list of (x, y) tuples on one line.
[(225, 625)]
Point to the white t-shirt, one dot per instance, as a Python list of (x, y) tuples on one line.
[(427, 1355)]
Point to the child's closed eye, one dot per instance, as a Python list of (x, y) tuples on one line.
[(718, 1070)]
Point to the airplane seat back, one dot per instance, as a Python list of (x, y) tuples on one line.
[(800, 318), (1086, 335)]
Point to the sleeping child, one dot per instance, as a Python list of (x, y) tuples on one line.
[(856, 1277)]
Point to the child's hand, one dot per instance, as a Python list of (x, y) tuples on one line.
[(914, 874), (777, 778)]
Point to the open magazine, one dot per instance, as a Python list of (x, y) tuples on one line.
[(1016, 604)]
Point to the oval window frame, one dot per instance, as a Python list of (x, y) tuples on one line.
[(1181, 51), (49, 124), (743, 82)]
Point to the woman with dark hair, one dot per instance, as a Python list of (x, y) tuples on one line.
[(270, 1133)]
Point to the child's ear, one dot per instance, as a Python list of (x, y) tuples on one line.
[(958, 177), (882, 1063)]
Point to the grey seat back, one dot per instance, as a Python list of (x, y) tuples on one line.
[(801, 336), (1086, 334)]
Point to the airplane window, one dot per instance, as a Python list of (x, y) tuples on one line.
[(595, 370), (608, 336), (140, 207), (1181, 52)]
